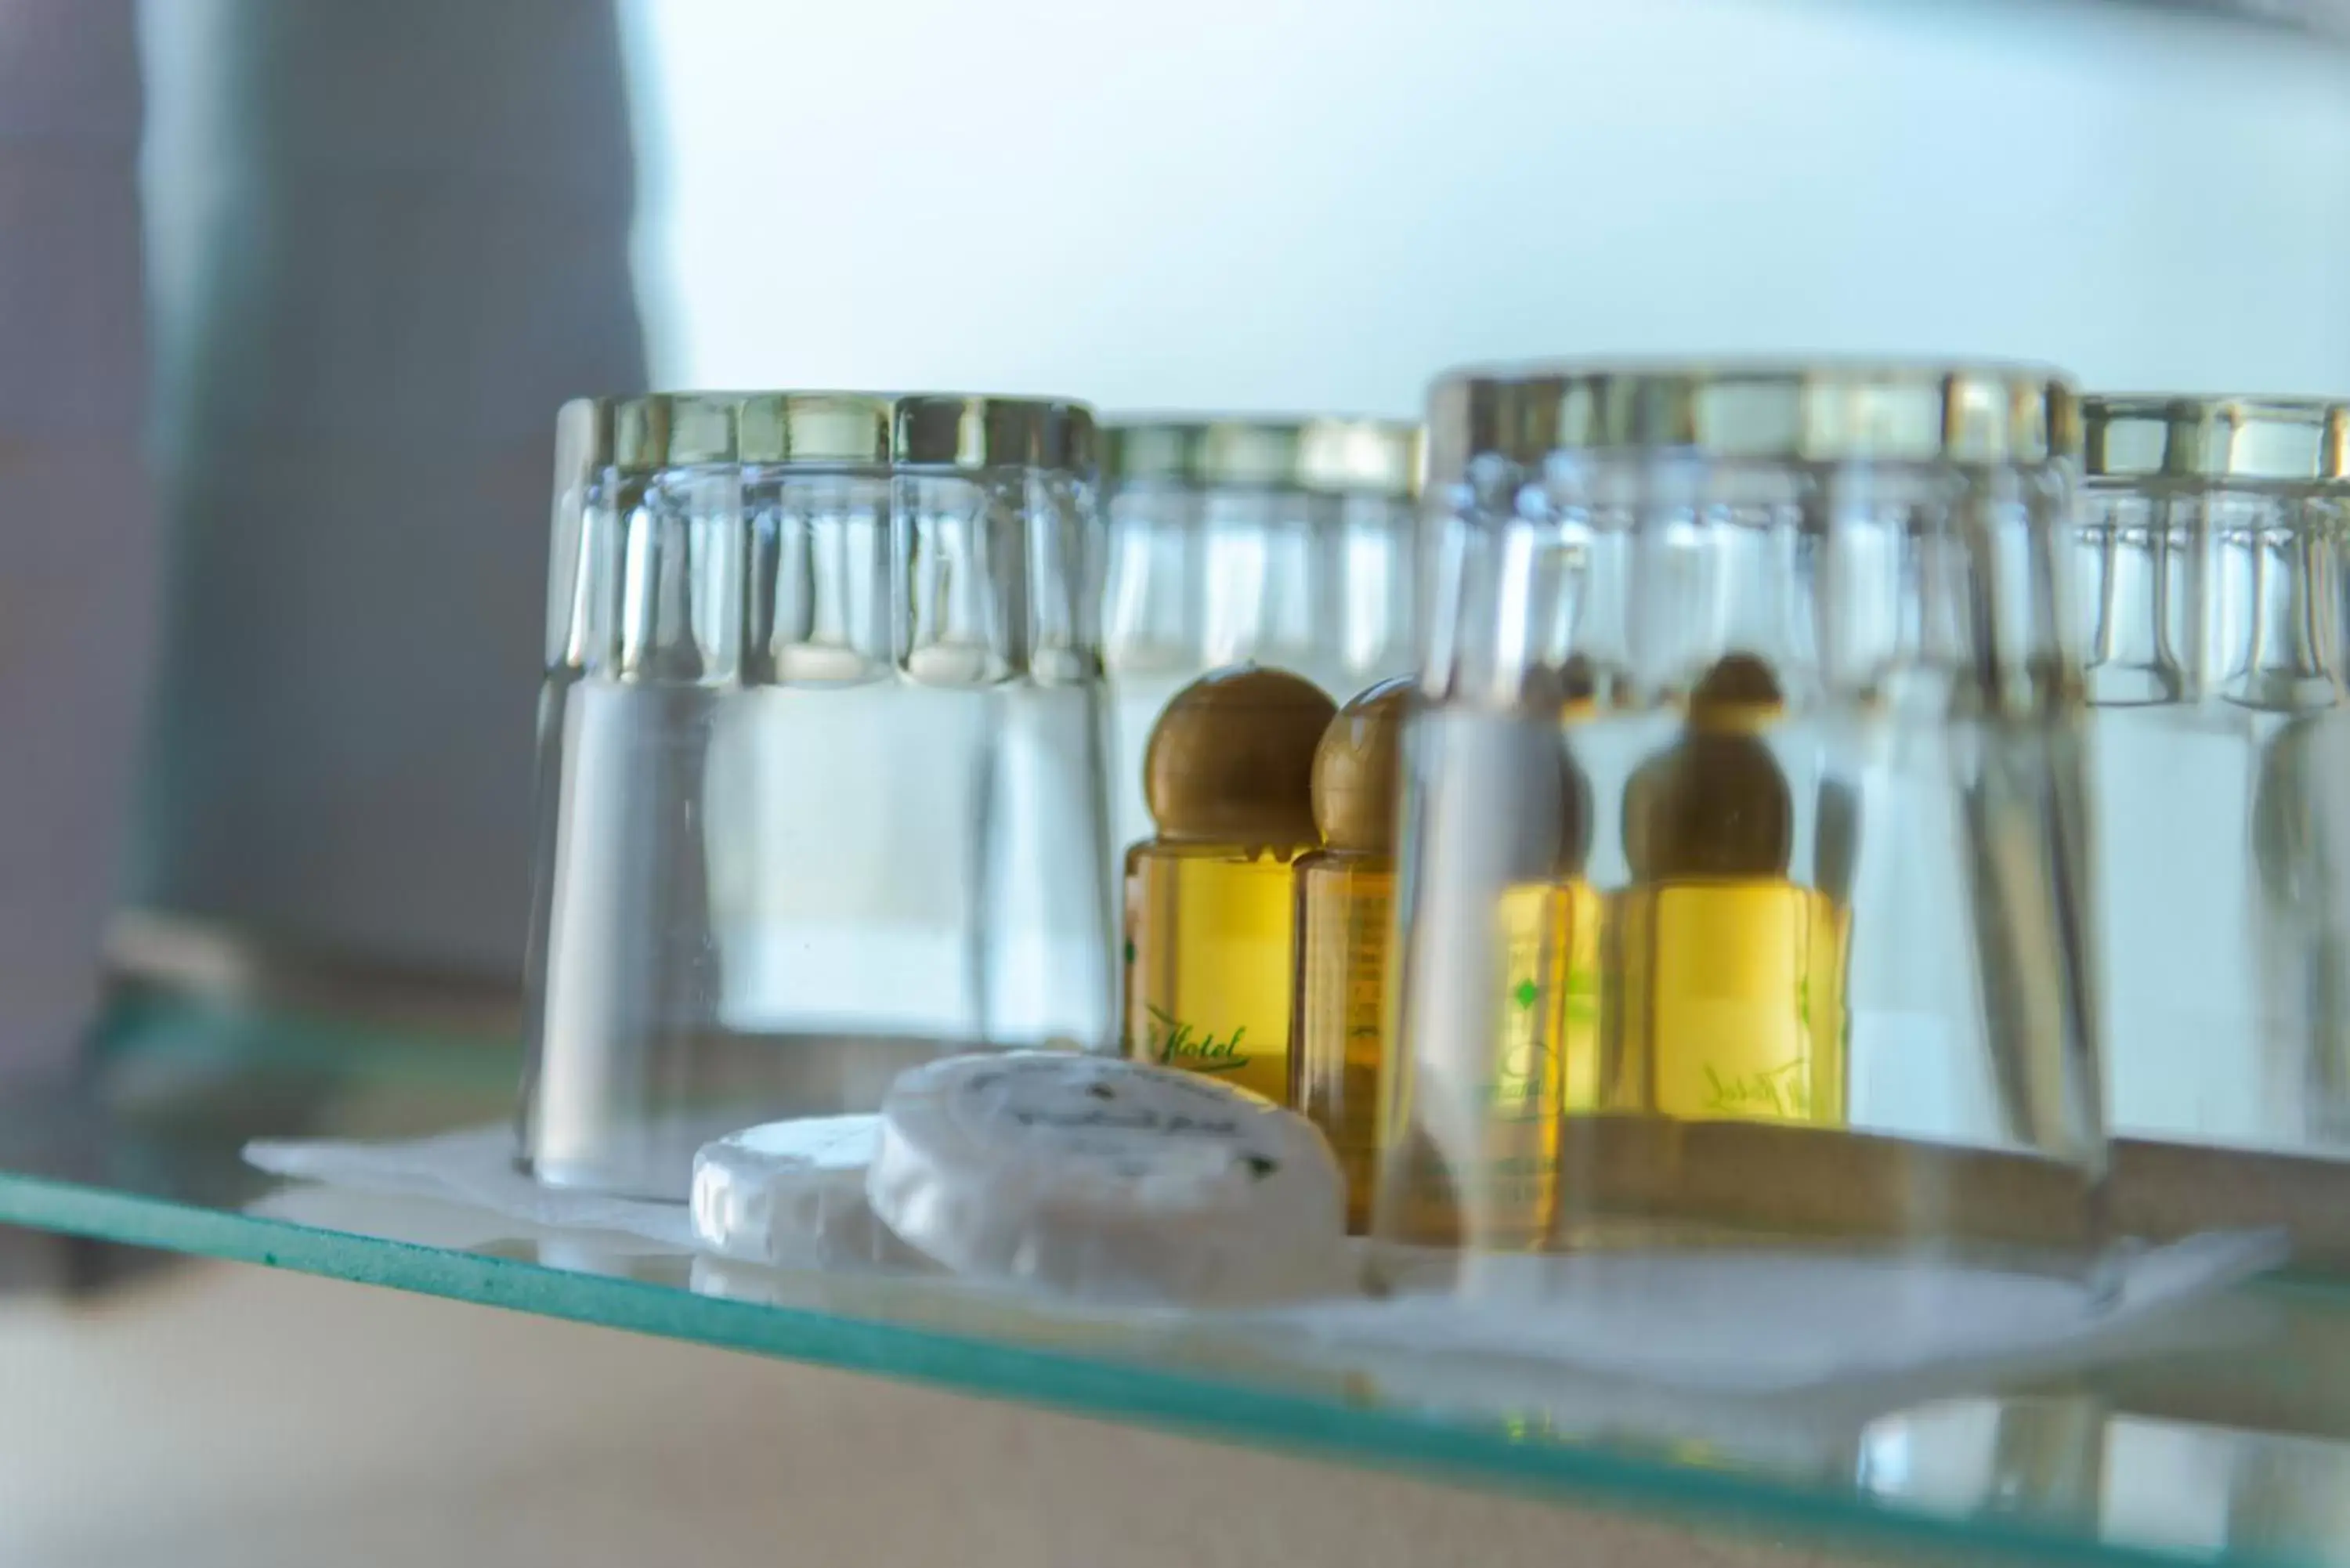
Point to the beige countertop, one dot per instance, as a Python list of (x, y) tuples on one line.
[(218, 1415)]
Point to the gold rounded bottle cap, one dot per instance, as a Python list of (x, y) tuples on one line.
[(1232, 758), (1716, 804), (1738, 694), (1358, 768), (1571, 689)]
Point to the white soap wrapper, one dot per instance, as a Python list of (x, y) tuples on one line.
[(791, 1193), (1101, 1179), (474, 1167), (1760, 1322), (1609, 1342)]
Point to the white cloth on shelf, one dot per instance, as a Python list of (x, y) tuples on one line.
[(1750, 1324)]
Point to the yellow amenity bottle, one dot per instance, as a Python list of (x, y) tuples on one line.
[(1547, 1060), (1550, 1059), (1345, 891), (1505, 1087), (1732, 975), (1210, 901)]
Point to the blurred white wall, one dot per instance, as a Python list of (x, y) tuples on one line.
[(1319, 202)]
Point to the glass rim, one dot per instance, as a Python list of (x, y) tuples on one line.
[(2134, 436), (1979, 414), (645, 433), (1321, 455)]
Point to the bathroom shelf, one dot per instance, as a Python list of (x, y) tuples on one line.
[(2224, 1434)]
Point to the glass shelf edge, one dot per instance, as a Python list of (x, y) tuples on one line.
[(145, 1153), (1723, 1503)]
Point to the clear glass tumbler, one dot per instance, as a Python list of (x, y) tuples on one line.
[(821, 764), (1741, 898), (2210, 565), (1279, 542)]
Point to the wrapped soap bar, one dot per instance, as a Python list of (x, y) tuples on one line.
[(1108, 1180), (791, 1193)]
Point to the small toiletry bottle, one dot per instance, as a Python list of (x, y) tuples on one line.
[(1549, 1061), (1210, 900), (1530, 1057), (1345, 895), (1730, 1003)]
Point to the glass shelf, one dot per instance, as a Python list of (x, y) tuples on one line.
[(2226, 1433)]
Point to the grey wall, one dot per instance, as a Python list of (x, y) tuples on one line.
[(386, 243)]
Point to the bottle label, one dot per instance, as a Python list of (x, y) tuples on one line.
[(1208, 967), (1742, 990), (1105, 1178), (1171, 1042), (1549, 1056)]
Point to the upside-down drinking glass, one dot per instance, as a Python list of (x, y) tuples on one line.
[(821, 781), (2210, 567), (1742, 895)]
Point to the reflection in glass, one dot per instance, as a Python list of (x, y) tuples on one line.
[(1521, 998), (2033, 1457), (2210, 548), (2289, 1499), (1830, 791), (2300, 930), (1732, 975)]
